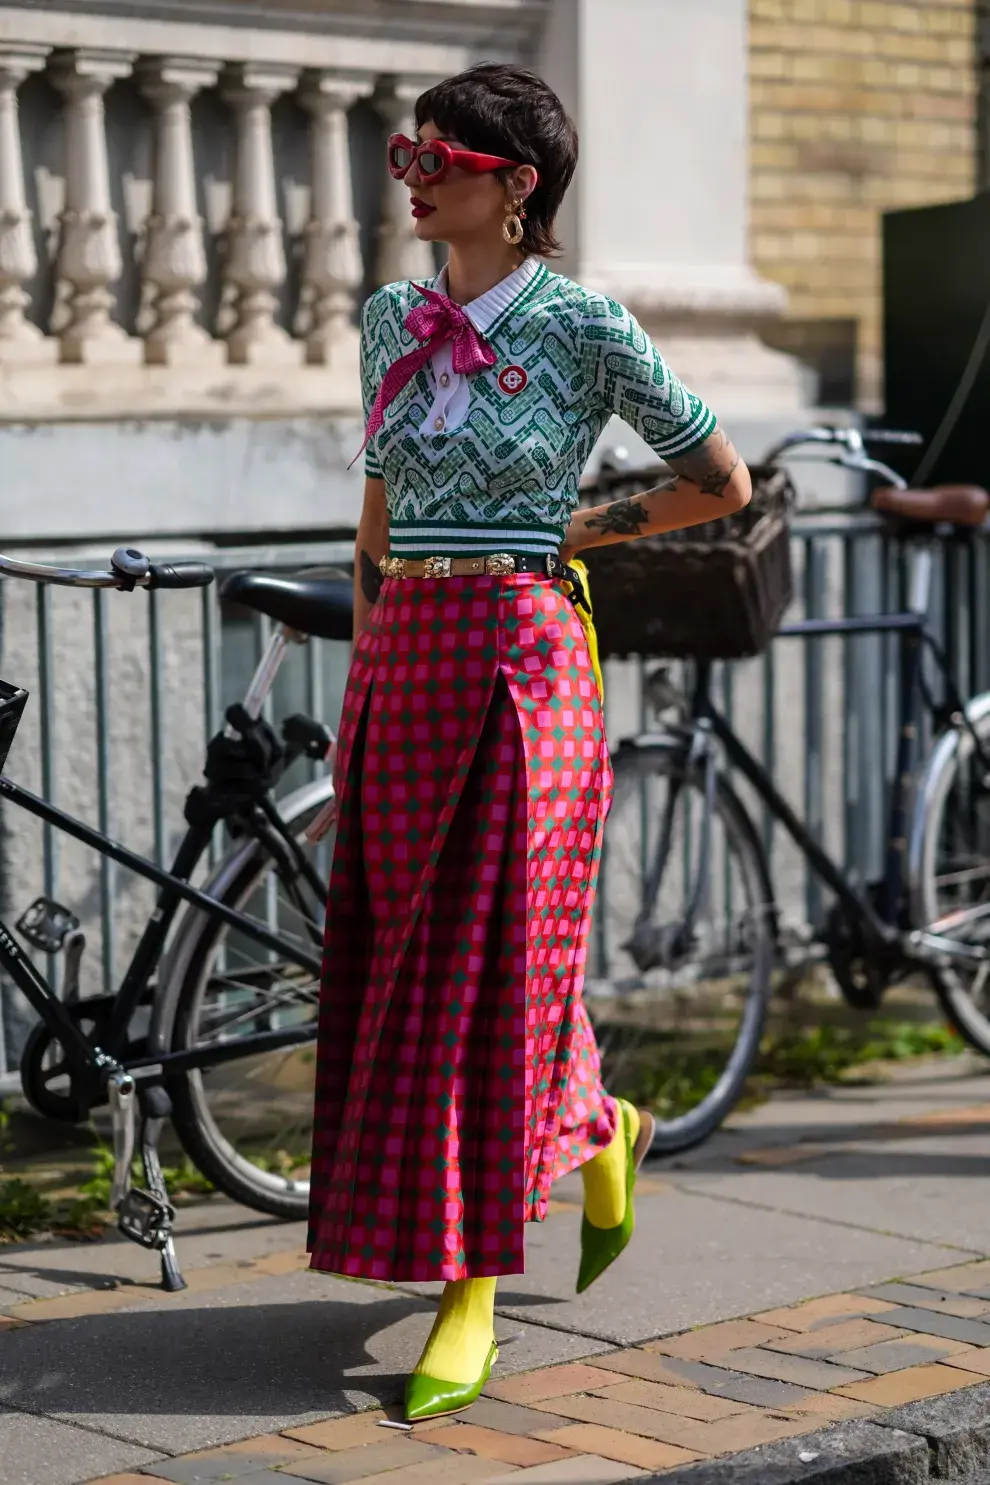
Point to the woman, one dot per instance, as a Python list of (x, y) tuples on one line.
[(458, 1074)]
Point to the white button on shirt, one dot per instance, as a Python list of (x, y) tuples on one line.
[(451, 391)]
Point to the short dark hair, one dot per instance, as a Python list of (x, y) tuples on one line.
[(502, 110)]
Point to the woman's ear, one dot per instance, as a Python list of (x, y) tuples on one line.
[(522, 181)]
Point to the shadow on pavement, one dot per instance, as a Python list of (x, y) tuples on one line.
[(507, 1297), (10, 1273), (874, 1144), (243, 1360)]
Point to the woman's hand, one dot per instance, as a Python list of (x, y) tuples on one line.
[(371, 546)]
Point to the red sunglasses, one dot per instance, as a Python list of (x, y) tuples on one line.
[(435, 159)]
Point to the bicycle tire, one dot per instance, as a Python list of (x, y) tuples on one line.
[(195, 1122), (931, 895), (656, 760)]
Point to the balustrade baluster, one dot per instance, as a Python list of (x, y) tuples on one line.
[(332, 270), (255, 255), (175, 255), (89, 258), (20, 342), (401, 254)]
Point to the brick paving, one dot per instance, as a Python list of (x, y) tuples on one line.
[(705, 1393), (863, 1196)]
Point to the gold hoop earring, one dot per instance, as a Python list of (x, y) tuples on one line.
[(512, 227)]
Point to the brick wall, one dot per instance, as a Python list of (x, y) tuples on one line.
[(856, 106)]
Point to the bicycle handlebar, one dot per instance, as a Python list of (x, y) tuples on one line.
[(128, 569), (180, 575), (852, 443), (853, 440), (890, 435)]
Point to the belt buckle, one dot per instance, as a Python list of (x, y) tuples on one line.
[(392, 567), (500, 564), (436, 567)]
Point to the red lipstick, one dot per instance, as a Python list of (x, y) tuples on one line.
[(420, 208)]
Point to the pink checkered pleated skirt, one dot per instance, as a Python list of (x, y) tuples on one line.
[(457, 1070)]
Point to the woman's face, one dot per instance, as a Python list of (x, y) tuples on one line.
[(463, 207)]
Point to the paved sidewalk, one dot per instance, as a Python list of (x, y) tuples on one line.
[(821, 1262)]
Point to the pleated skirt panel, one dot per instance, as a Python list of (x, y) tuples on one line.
[(457, 1069)]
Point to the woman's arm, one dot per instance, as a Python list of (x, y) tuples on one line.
[(371, 546), (709, 482)]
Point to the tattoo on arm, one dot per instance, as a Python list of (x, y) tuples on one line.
[(621, 518), (710, 467), (371, 578)]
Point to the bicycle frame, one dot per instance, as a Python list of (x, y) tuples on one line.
[(885, 918), (83, 1056)]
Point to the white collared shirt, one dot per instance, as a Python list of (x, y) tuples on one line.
[(451, 393)]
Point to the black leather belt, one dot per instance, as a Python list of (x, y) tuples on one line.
[(497, 564)]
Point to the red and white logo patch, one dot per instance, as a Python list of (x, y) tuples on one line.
[(512, 380)]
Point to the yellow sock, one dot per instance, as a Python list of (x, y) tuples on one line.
[(605, 1176), (462, 1333)]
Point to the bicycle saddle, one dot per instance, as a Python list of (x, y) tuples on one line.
[(959, 505), (317, 605)]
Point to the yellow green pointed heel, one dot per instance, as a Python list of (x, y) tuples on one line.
[(601, 1246), (426, 1397)]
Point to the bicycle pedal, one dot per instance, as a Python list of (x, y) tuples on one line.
[(145, 1218), (46, 925), (12, 702), (311, 738)]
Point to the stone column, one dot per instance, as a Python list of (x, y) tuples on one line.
[(20, 342), (400, 254), (89, 259), (333, 271), (175, 256), (255, 256), (660, 222)]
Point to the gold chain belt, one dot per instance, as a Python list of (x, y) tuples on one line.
[(499, 564)]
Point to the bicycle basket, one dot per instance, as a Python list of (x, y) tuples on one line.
[(712, 592), (12, 703)]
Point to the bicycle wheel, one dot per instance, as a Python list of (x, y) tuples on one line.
[(952, 890), (247, 1124), (679, 1013)]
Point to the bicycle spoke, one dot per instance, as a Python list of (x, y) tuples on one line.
[(679, 913), (250, 1119), (216, 1029), (957, 889)]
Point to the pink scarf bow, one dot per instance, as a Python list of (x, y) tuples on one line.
[(435, 322)]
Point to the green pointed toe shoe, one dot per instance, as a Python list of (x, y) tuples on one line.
[(426, 1397), (601, 1246)]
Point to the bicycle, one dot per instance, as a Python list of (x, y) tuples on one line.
[(208, 1026), (689, 934)]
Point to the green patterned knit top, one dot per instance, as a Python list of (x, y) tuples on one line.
[(491, 462)]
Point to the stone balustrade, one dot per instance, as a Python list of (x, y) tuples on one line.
[(190, 215)]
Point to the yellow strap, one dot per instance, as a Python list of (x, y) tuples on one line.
[(586, 615)]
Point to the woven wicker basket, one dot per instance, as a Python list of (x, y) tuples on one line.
[(713, 592)]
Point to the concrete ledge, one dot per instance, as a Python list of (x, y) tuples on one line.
[(942, 1438), (956, 1428), (856, 1453)]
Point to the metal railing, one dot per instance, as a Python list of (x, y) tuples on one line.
[(125, 690)]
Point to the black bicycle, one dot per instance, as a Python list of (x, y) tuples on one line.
[(214, 1022), (688, 933)]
